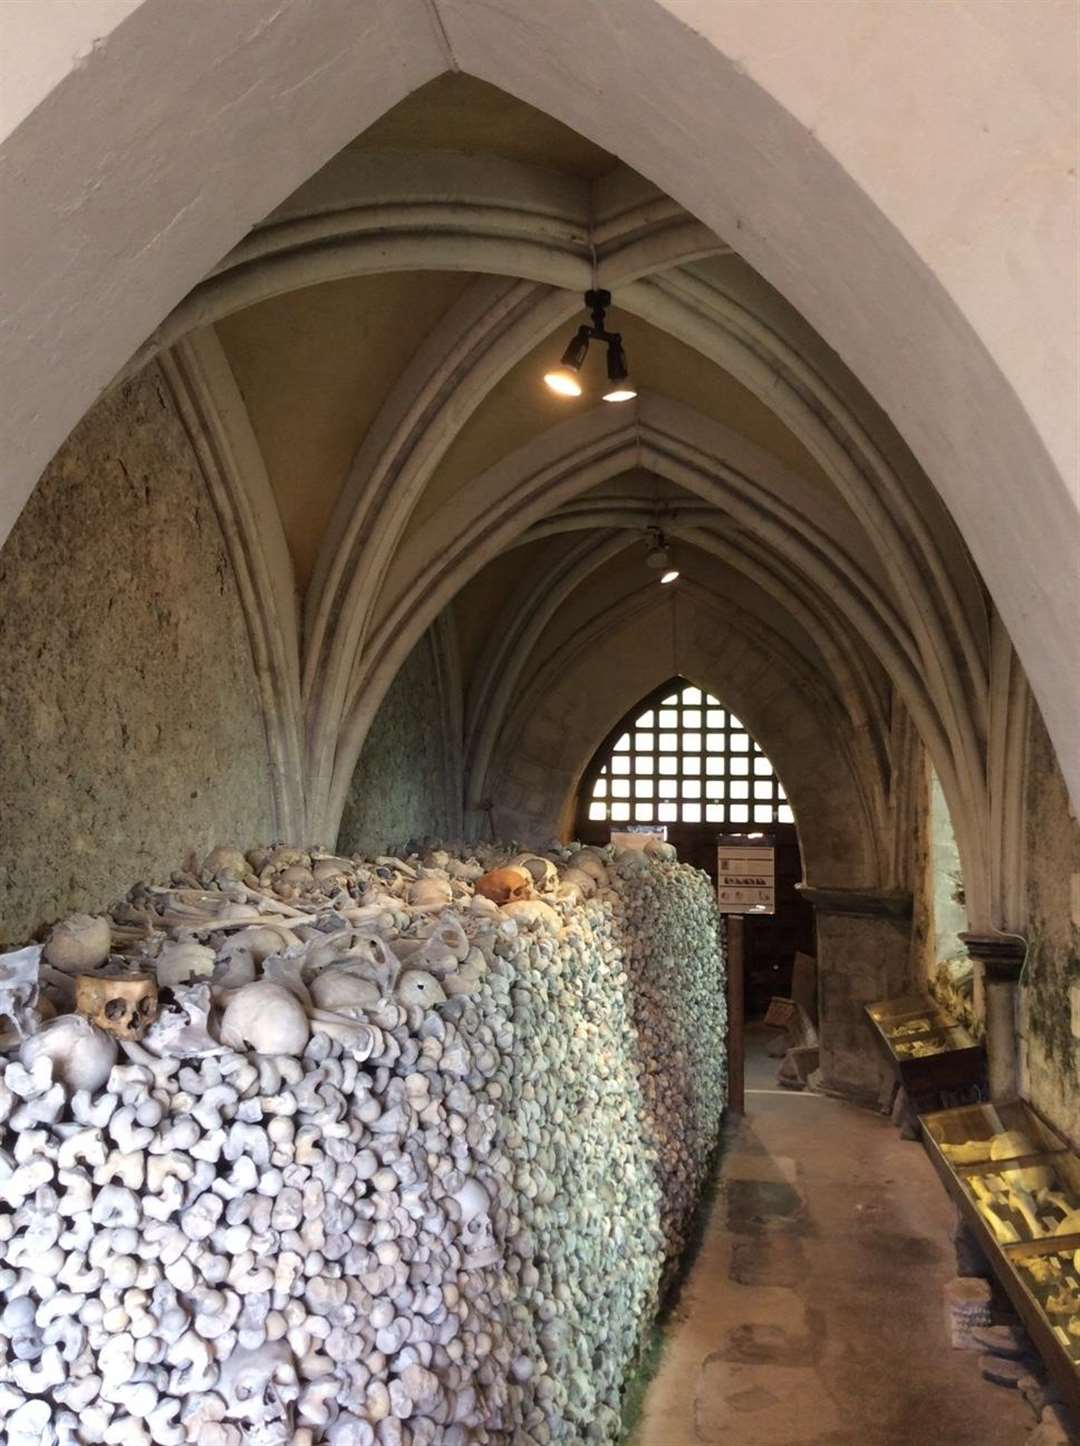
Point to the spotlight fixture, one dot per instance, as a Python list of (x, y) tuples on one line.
[(658, 558), (620, 387), (565, 380)]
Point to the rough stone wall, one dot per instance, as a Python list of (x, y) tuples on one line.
[(401, 789), (923, 931), (1050, 1000), (128, 704)]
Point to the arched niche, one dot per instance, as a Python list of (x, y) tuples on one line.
[(571, 704)]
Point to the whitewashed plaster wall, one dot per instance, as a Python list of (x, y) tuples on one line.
[(128, 701), (943, 280)]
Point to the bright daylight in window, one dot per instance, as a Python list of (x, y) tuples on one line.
[(688, 760)]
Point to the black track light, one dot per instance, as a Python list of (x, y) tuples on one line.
[(565, 379), (658, 558), (620, 387)]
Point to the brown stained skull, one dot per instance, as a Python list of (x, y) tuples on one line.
[(124, 1004), (506, 886)]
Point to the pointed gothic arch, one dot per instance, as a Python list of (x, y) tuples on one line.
[(680, 756)]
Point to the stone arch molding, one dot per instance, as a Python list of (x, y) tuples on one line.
[(961, 335), (838, 599), (566, 709), (496, 323), (366, 214)]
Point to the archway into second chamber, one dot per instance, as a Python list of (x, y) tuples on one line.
[(682, 762)]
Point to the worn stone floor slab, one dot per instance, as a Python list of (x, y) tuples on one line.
[(814, 1313)]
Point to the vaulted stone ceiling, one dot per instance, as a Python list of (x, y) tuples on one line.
[(367, 366)]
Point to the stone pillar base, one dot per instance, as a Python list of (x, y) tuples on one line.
[(1001, 957), (864, 954)]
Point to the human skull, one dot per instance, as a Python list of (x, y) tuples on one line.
[(82, 1055), (343, 991), (505, 886), (430, 893), (267, 1018), (417, 986), (477, 1236), (580, 880), (226, 864), (121, 1004), (545, 875), (296, 879), (591, 862), (533, 913), (182, 961), (81, 941), (331, 873), (259, 1387)]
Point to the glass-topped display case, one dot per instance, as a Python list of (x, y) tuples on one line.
[(1018, 1186), (1053, 1283), (928, 1051), (988, 1133)]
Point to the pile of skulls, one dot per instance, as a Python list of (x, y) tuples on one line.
[(299, 1148)]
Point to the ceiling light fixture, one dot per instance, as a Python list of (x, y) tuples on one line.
[(565, 380), (658, 557)]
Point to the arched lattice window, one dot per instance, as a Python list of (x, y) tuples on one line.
[(685, 759)]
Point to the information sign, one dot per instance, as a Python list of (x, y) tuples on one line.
[(746, 878)]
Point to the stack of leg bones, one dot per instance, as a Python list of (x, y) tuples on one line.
[(403, 1158)]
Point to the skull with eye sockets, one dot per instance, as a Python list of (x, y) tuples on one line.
[(259, 1387), (477, 1235), (122, 1004)]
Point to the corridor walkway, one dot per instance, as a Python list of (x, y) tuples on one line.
[(814, 1314)]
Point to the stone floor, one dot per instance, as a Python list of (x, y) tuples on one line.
[(813, 1315)]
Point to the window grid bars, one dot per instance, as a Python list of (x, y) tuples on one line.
[(687, 759)]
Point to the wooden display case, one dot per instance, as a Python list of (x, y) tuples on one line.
[(928, 1051), (1017, 1185)]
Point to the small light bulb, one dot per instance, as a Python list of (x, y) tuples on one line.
[(563, 382), (620, 392), (671, 574)]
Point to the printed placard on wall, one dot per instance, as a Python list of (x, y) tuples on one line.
[(746, 878), (636, 836)]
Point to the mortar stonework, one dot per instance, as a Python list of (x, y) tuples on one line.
[(1050, 1053), (399, 790), (129, 709)]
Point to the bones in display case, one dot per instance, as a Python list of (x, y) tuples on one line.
[(1053, 1282), (928, 1050), (1018, 1185)]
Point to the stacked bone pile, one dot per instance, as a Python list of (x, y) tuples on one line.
[(674, 956), (303, 1149)]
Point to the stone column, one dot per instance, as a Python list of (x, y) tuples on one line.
[(1002, 958), (864, 954)]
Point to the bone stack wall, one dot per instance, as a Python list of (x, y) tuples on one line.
[(447, 1218)]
